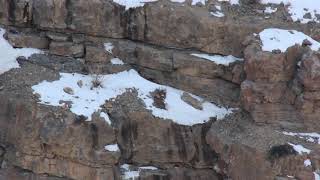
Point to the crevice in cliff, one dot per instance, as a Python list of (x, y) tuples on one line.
[(68, 19), (11, 10)]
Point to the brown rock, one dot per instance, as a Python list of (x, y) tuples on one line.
[(269, 67), (306, 42), (50, 13), (309, 72), (97, 55), (259, 93), (186, 97), (97, 17), (68, 90), (66, 49), (57, 36), (21, 40), (168, 142)]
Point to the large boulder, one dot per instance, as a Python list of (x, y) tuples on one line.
[(50, 14)]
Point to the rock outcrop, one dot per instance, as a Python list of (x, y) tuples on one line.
[(274, 96)]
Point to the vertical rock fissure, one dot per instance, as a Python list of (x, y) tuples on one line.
[(11, 10)]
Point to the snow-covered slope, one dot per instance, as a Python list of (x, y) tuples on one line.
[(87, 100), (300, 9), (282, 39), (8, 54)]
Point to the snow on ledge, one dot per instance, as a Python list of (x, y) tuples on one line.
[(316, 176), (300, 149), (223, 60), (307, 162), (117, 61), (108, 47), (129, 174), (112, 148), (8, 54), (232, 2), (139, 3), (300, 9), (87, 100), (310, 137), (132, 3), (273, 39)]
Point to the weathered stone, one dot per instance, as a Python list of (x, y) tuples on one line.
[(269, 67), (14, 173), (97, 17), (168, 142), (66, 49), (186, 97), (273, 113), (250, 144), (57, 36), (310, 71), (97, 55), (216, 90), (68, 90), (260, 93), (50, 13), (190, 65), (27, 40)]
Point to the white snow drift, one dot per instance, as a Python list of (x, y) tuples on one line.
[(218, 59), (139, 3), (300, 149), (298, 9), (310, 137), (8, 54), (129, 174), (87, 100), (282, 39)]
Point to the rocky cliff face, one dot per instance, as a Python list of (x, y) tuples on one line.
[(199, 90)]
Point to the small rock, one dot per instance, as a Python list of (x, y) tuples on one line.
[(66, 104), (307, 16), (21, 59), (2, 151), (159, 96), (80, 83), (68, 90), (80, 119), (186, 97), (37, 95), (57, 36), (276, 51), (306, 42)]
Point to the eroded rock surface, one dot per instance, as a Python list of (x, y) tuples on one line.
[(275, 95)]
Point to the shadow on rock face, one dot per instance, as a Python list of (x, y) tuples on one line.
[(280, 151)]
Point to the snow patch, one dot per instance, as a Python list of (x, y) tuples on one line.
[(223, 60), (217, 13), (300, 149), (316, 176), (300, 9), (8, 54), (112, 148), (273, 39), (105, 116), (117, 61), (307, 162), (232, 2), (132, 3), (108, 47), (194, 2), (270, 10), (129, 174), (310, 137), (87, 100)]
